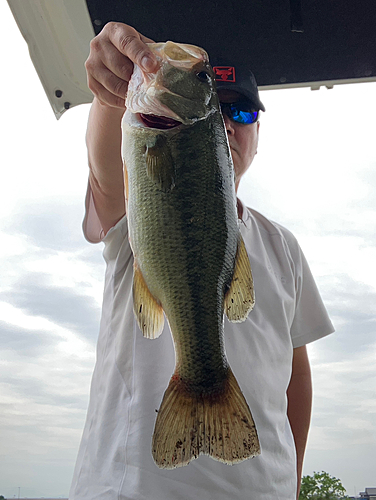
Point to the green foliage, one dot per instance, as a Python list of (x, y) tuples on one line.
[(321, 486), (2, 498)]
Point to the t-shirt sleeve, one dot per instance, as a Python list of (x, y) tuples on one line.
[(116, 241), (311, 320), (91, 226)]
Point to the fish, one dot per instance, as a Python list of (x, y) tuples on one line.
[(190, 262)]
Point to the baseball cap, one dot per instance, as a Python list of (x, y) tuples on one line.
[(240, 80)]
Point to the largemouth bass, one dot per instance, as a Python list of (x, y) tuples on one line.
[(190, 262)]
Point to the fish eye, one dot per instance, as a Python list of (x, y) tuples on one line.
[(203, 76)]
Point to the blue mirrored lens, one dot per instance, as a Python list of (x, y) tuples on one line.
[(240, 116), (240, 112)]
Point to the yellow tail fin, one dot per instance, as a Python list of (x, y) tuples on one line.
[(188, 425)]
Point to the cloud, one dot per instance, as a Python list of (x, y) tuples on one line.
[(350, 304), (34, 294), (39, 373), (49, 270), (41, 392), (344, 380), (46, 238), (24, 341), (50, 225)]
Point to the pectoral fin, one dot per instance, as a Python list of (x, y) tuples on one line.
[(240, 298), (148, 311), (160, 165)]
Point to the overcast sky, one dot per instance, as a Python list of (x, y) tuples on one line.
[(315, 173)]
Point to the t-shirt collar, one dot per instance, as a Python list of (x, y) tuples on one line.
[(245, 213)]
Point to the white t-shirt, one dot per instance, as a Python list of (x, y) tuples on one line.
[(132, 373)]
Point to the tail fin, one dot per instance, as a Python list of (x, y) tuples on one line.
[(189, 425)]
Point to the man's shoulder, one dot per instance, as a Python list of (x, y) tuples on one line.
[(275, 237), (270, 226)]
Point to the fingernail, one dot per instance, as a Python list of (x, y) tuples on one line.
[(148, 63)]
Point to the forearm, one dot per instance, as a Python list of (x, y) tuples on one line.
[(299, 396), (103, 140)]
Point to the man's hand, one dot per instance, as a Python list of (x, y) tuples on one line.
[(110, 63)]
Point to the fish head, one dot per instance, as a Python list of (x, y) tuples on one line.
[(182, 89)]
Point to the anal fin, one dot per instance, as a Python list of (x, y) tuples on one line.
[(148, 311), (240, 298)]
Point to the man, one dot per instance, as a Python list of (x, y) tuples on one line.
[(267, 352)]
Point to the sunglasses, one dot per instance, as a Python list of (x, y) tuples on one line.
[(240, 112)]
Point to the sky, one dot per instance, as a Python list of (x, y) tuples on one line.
[(315, 173)]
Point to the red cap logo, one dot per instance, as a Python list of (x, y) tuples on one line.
[(224, 73)]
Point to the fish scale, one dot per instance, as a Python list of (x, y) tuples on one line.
[(190, 260), (191, 254)]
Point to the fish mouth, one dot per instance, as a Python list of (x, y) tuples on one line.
[(158, 122)]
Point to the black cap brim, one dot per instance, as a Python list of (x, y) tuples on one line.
[(254, 98)]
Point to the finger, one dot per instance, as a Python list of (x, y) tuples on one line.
[(105, 96), (128, 41), (103, 52), (107, 79), (110, 68)]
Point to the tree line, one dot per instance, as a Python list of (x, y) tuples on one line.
[(322, 486)]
